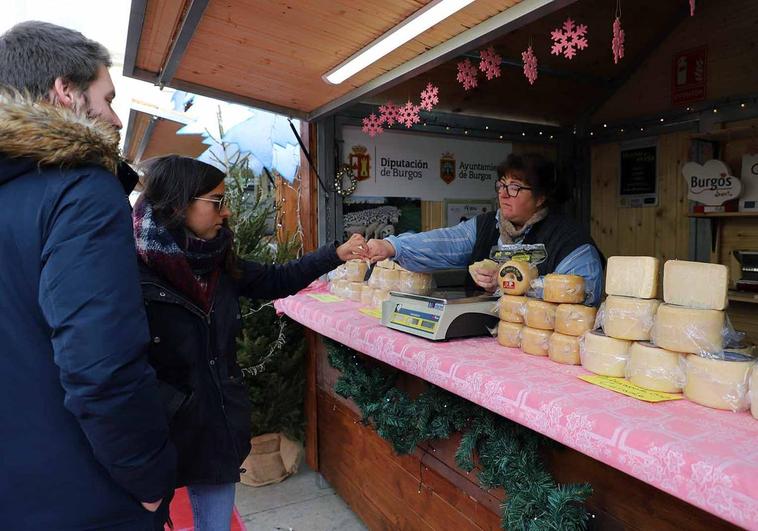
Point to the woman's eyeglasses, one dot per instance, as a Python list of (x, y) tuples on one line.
[(511, 189), (220, 202)]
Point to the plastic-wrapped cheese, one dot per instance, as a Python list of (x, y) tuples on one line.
[(483, 265), (564, 349), (695, 284), (515, 277), (339, 287), (574, 319), (353, 291), (655, 368), (389, 279), (355, 270), (373, 280), (632, 276), (719, 383), (628, 318), (367, 295), (509, 334), (754, 393), (379, 297), (688, 329), (539, 314), (535, 341), (418, 283), (563, 288), (386, 264), (604, 355), (511, 308)]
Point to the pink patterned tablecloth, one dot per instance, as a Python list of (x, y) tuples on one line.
[(706, 457)]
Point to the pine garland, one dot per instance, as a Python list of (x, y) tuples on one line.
[(507, 452)]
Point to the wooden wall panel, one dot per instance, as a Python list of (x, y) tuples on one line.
[(161, 20)]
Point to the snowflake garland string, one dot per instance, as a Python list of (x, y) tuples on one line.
[(489, 63), (617, 45), (429, 97), (692, 8), (372, 125), (408, 114), (467, 75), (568, 39), (530, 65), (388, 113)]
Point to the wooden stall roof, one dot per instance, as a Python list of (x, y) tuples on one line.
[(152, 133), (273, 54)]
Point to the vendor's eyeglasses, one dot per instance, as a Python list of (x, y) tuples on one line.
[(511, 189), (220, 202)]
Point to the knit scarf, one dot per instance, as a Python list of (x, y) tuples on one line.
[(509, 233), (189, 264)]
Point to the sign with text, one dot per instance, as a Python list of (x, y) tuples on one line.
[(638, 180), (711, 183), (688, 76), (433, 168)]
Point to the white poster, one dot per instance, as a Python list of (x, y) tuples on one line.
[(433, 168)]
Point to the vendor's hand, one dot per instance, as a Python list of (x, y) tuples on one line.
[(152, 506), (486, 279), (380, 250), (353, 248)]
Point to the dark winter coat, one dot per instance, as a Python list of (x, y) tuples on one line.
[(194, 355), (82, 436)]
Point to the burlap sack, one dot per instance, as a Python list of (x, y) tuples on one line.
[(273, 458)]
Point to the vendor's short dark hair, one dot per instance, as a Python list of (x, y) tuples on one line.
[(34, 54), (539, 173)]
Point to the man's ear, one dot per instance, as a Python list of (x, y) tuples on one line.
[(62, 93)]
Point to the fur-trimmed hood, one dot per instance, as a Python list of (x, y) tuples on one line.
[(33, 133)]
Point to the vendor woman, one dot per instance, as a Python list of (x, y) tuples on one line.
[(528, 198)]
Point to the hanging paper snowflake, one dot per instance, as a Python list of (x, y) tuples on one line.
[(617, 45), (567, 40), (489, 62), (408, 114), (692, 8), (388, 113), (530, 65), (429, 97), (467, 75), (372, 125)]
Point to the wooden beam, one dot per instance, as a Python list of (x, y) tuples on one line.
[(145, 140), (134, 35), (186, 30)]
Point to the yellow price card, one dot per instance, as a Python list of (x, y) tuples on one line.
[(325, 297), (372, 312), (625, 387)]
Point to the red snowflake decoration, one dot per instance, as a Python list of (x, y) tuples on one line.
[(388, 113), (692, 8), (467, 75), (567, 40), (617, 45), (408, 114), (489, 62), (429, 97), (530, 65), (372, 125)]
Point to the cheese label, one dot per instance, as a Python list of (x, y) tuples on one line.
[(372, 312), (325, 297), (625, 387), (510, 275)]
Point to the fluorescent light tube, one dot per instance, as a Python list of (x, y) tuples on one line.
[(419, 22)]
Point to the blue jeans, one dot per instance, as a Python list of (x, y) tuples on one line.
[(212, 506)]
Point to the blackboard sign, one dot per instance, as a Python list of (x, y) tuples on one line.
[(638, 184)]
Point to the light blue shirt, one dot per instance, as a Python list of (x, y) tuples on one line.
[(451, 248)]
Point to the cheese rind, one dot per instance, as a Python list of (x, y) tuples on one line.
[(719, 383), (367, 295), (696, 284), (655, 368), (509, 334), (515, 277), (511, 308), (563, 288), (540, 314), (535, 341), (564, 349), (574, 319), (628, 318), (688, 330), (632, 276), (604, 355)]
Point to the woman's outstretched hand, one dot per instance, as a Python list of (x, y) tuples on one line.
[(353, 248)]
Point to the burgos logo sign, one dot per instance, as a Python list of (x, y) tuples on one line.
[(711, 183)]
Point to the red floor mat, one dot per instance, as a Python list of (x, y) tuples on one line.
[(181, 513)]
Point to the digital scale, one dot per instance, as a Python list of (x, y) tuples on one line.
[(441, 315)]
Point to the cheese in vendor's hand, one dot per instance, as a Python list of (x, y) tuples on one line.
[(483, 265)]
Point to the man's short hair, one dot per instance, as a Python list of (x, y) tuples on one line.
[(34, 54)]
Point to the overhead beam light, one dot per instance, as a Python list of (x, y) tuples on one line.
[(419, 22)]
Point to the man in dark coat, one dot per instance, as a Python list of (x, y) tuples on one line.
[(84, 440)]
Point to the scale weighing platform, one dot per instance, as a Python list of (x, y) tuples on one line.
[(441, 315)]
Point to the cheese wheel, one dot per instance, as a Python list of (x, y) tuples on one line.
[(509, 334), (539, 314), (355, 270), (515, 277), (628, 318), (719, 383), (688, 329), (511, 308), (386, 264), (632, 276), (574, 319), (367, 295), (564, 349), (376, 273), (379, 297), (655, 368), (418, 283), (563, 288), (695, 284), (535, 341), (754, 392), (340, 287), (604, 355), (353, 291), (389, 279)]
